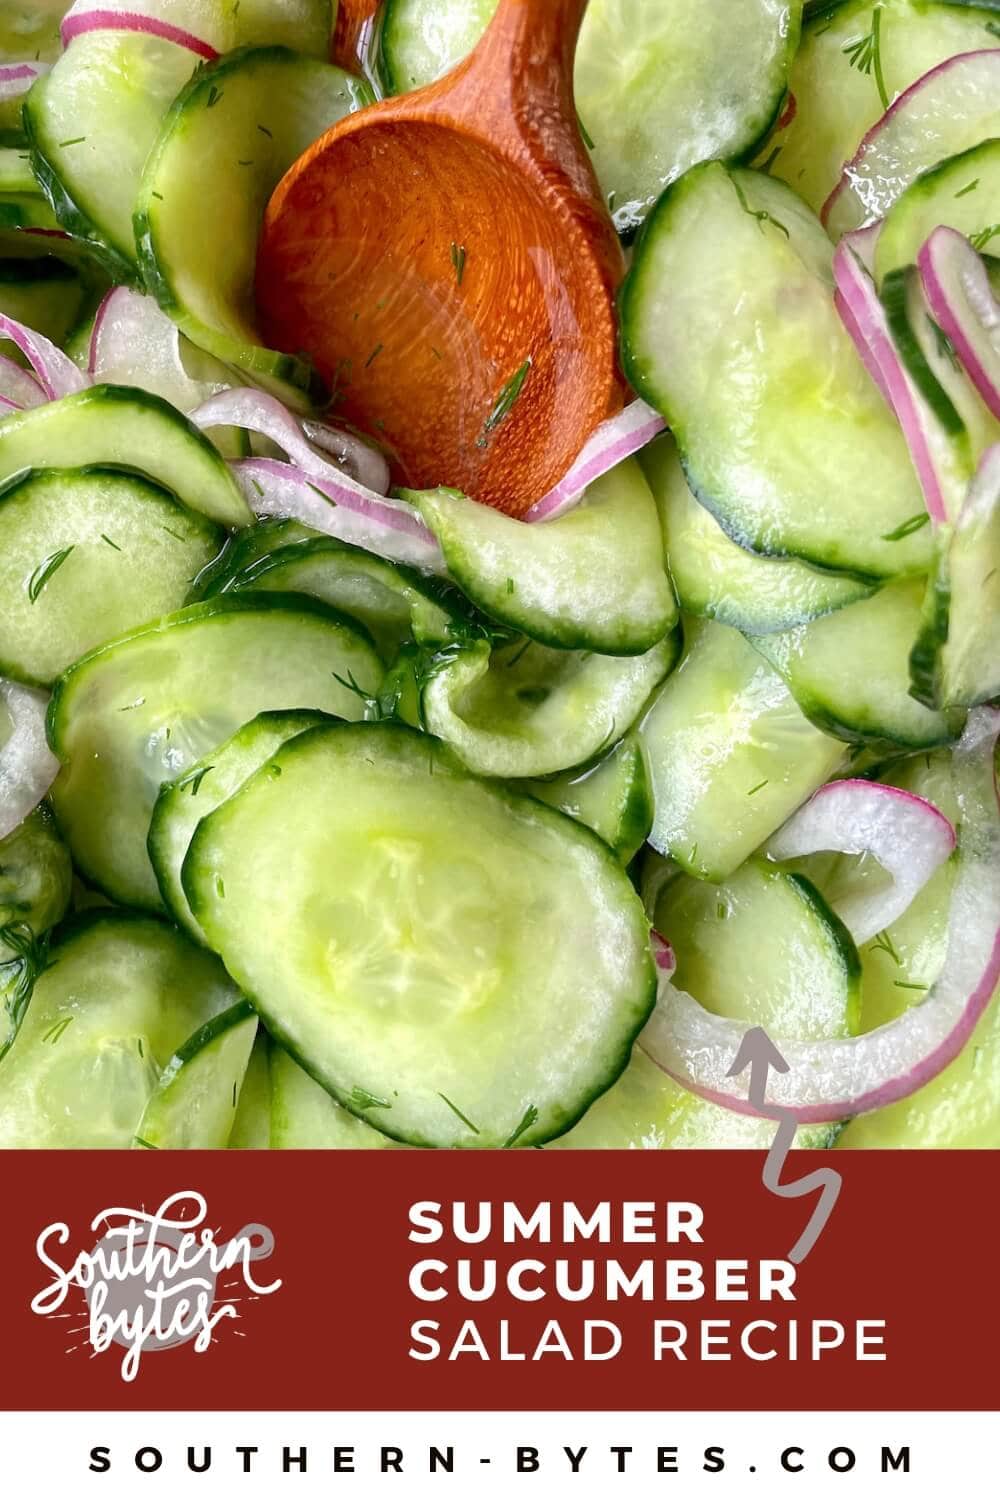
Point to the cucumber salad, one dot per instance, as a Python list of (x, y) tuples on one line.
[(338, 815)]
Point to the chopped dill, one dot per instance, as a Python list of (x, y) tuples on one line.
[(362, 1099), (760, 214), (885, 944), (214, 95), (585, 133), (758, 788), (901, 984), (45, 570), (981, 240), (504, 404), (527, 1120), (865, 54), (970, 187), (110, 542), (373, 356), (907, 528), (456, 1111), (146, 1145), (55, 1032), (458, 257)]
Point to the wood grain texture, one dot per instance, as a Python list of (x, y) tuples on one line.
[(423, 250), (350, 31)]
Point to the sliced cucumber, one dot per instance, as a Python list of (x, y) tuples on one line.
[(86, 555), (524, 710), (457, 964), (121, 427), (850, 671), (730, 330), (727, 67), (614, 798), (226, 143), (845, 75), (195, 1102), (731, 754), (304, 1117), (119, 996), (714, 577), (252, 1126), (962, 192), (183, 803), (952, 109), (647, 1111), (35, 883), (956, 658), (394, 603), (43, 292), (765, 948), (591, 580), (143, 710), (30, 28)]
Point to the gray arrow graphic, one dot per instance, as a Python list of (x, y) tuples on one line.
[(758, 1053)]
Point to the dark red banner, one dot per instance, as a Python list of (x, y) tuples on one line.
[(905, 1268)]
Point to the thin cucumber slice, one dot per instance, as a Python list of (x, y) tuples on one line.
[(86, 555), (30, 28), (238, 126), (143, 710), (524, 710), (647, 1111), (956, 658), (457, 964), (714, 577), (392, 602), (252, 1126), (119, 996), (731, 754), (845, 76), (16, 175), (100, 107), (729, 329), (591, 580), (951, 109), (35, 883), (183, 803), (304, 1117), (727, 68), (962, 192), (765, 948), (614, 798), (120, 427), (43, 292), (849, 673), (195, 1102), (247, 546)]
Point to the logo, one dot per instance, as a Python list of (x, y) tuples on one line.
[(154, 1280)]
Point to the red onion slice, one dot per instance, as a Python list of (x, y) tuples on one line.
[(828, 1080), (368, 466), (57, 374), (27, 765), (18, 387), (961, 299), (615, 440), (908, 836), (864, 318), (386, 527), (17, 78), (78, 22)]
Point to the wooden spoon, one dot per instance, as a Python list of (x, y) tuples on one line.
[(352, 34), (447, 261)]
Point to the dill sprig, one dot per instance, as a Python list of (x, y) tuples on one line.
[(906, 528), (865, 54), (504, 404), (20, 972), (458, 258), (885, 944), (981, 240), (760, 214), (45, 570), (525, 1123)]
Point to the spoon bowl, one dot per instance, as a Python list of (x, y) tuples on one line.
[(447, 262)]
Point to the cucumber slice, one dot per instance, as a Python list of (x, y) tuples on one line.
[(86, 555), (30, 28), (951, 109), (850, 671), (714, 577), (252, 1126), (488, 994), (183, 803), (228, 140), (731, 754), (304, 1117), (763, 947), (43, 292), (35, 884), (143, 710), (835, 78), (121, 427), (119, 996), (392, 602), (524, 710), (647, 1111), (591, 580), (614, 798), (194, 1104), (956, 658), (727, 68), (962, 192), (730, 330)]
